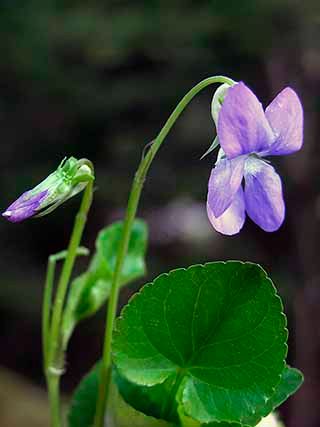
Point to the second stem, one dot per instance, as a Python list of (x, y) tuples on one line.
[(54, 358), (131, 211)]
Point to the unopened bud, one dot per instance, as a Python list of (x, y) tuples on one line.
[(70, 178)]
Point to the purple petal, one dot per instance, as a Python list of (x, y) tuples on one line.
[(263, 195), (19, 214), (285, 115), (224, 183), (24, 207), (22, 200), (242, 125), (232, 220)]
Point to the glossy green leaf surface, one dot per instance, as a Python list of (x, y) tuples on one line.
[(291, 380), (89, 291), (218, 328)]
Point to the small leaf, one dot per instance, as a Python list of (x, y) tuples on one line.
[(219, 328), (89, 291), (108, 244), (83, 406), (126, 416), (152, 401)]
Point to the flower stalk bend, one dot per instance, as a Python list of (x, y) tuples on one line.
[(134, 197)]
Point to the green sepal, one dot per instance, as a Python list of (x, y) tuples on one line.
[(69, 179), (217, 101), (212, 147)]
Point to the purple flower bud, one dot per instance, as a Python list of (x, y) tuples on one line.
[(69, 179), (25, 207)]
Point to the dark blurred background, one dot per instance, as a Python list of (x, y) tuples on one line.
[(98, 79)]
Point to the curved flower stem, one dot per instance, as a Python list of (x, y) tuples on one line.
[(52, 341), (128, 222)]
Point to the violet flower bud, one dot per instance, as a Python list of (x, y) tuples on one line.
[(70, 178)]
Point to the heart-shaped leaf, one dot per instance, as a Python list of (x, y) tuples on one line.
[(89, 291), (218, 328)]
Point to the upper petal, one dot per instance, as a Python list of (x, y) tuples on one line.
[(285, 115), (242, 125), (263, 195), (232, 220), (224, 182)]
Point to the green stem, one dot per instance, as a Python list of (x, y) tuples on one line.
[(47, 299), (54, 358), (113, 300), (46, 307), (53, 382), (129, 219)]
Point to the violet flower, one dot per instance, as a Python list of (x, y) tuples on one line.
[(67, 180), (247, 134)]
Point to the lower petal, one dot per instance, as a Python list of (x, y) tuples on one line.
[(263, 195), (232, 220), (224, 182)]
